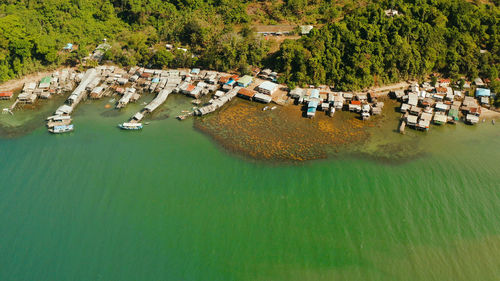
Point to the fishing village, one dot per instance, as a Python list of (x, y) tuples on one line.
[(421, 104)]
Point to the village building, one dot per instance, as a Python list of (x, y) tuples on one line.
[(246, 93), (245, 81), (479, 82), (262, 98), (391, 12), (6, 95), (45, 82), (267, 88), (311, 108)]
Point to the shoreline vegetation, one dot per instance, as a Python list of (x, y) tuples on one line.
[(284, 132), (346, 44), (439, 59)]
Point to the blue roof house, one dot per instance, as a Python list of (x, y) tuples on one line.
[(481, 92), (314, 94)]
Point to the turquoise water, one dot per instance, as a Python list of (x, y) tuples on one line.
[(167, 203)]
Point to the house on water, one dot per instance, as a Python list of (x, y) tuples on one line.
[(311, 108), (6, 95)]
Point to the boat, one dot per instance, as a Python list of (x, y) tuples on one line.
[(265, 108), (130, 126), (274, 107), (365, 115), (61, 129), (181, 117), (147, 123)]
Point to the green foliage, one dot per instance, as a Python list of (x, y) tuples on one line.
[(356, 47), (442, 36)]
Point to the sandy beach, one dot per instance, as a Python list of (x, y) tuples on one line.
[(16, 84)]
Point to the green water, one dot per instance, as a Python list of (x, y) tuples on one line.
[(169, 204)]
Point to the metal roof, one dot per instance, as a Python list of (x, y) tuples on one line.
[(481, 92)]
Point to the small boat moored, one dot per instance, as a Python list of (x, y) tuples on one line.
[(130, 126), (61, 129)]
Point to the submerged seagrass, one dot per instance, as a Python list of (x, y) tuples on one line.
[(168, 204)]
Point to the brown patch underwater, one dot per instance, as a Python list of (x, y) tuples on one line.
[(283, 134)]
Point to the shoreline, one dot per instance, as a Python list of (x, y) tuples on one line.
[(243, 126)]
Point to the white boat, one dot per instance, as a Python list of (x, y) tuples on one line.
[(265, 108), (130, 126), (274, 107), (332, 111), (61, 129)]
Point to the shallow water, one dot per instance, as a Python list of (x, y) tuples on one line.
[(167, 203)]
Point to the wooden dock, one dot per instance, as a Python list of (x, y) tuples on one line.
[(402, 127)]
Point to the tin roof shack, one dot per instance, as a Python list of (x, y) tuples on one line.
[(29, 87), (325, 106), (305, 29), (484, 101), (298, 93), (478, 82), (425, 121), (355, 106), (415, 110), (211, 78), (412, 120), (398, 94), (470, 106), (311, 108), (97, 92), (267, 88), (483, 95), (264, 74), (80, 91), (245, 81), (127, 97), (45, 82), (27, 98), (471, 119), (413, 99), (262, 98), (246, 93), (64, 110), (363, 97), (6, 95), (314, 94), (442, 107), (453, 115), (405, 107), (219, 102), (348, 96), (158, 100), (338, 101), (440, 118)]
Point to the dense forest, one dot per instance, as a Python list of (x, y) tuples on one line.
[(354, 46), (452, 37)]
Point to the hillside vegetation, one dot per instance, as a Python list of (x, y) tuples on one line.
[(356, 45)]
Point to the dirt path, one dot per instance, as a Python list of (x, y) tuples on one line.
[(388, 88), (13, 85), (489, 114)]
